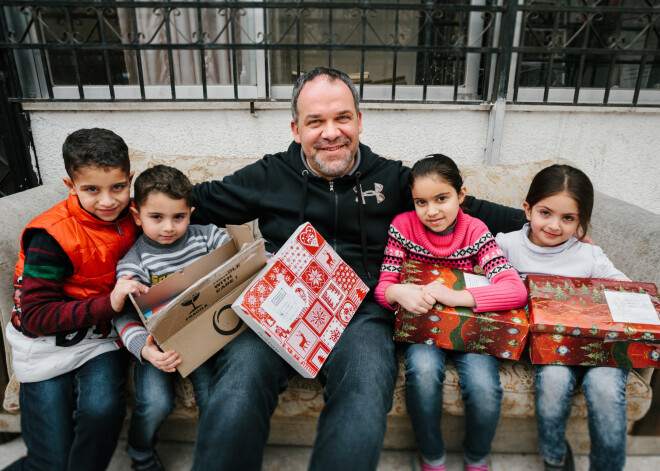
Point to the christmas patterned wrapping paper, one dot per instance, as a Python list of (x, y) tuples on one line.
[(556, 349), (501, 334), (571, 324), (302, 300)]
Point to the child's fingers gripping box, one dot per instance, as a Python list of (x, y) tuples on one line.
[(302, 301), (198, 319), (502, 334)]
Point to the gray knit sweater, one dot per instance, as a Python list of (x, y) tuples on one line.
[(150, 262)]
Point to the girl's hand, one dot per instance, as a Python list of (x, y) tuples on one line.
[(166, 361), (448, 296), (410, 297)]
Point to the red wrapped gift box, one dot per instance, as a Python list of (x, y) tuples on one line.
[(571, 324), (501, 334), (302, 300), (546, 349)]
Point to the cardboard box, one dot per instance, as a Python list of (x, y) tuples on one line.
[(501, 334), (571, 323), (302, 301), (198, 320)]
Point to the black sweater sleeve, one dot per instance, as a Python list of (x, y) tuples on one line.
[(232, 200), (498, 218)]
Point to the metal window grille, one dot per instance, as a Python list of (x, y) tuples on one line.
[(603, 52)]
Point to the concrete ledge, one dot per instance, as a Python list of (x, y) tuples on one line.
[(10, 422), (301, 432)]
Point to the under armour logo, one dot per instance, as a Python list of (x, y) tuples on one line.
[(378, 188)]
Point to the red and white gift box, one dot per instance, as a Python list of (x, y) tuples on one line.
[(300, 303)]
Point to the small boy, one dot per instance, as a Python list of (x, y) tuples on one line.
[(65, 354), (163, 205)]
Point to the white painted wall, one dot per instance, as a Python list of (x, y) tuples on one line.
[(619, 151), (617, 148)]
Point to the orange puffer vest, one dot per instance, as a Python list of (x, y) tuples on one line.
[(93, 246)]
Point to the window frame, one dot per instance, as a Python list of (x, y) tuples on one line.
[(32, 69)]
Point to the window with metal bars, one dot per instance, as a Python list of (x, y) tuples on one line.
[(562, 51)]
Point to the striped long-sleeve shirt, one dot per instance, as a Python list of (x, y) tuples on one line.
[(150, 262)]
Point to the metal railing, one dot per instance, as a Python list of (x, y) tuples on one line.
[(554, 51), (589, 47)]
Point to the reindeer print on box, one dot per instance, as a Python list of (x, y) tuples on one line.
[(302, 301)]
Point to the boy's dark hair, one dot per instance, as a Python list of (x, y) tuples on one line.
[(559, 178), (162, 179), (332, 74), (437, 165), (94, 147)]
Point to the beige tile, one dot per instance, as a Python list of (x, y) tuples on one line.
[(177, 456)]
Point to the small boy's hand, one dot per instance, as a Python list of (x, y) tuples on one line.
[(167, 361), (585, 239), (124, 286)]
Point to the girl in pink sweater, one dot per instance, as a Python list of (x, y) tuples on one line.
[(438, 231)]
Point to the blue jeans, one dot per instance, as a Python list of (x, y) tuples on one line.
[(154, 400), (72, 421), (479, 379), (237, 390), (605, 392)]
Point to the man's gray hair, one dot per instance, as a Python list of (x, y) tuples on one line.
[(332, 74)]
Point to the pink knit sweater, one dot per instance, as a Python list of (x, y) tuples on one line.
[(470, 244)]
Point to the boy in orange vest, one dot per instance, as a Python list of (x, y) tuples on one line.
[(65, 354)]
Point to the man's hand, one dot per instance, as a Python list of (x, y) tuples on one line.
[(448, 296), (124, 286), (167, 361), (410, 297), (585, 239)]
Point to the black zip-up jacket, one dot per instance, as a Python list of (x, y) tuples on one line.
[(352, 212)]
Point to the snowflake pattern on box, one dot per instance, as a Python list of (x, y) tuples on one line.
[(255, 297), (297, 258), (315, 277), (318, 317), (330, 290), (279, 272), (332, 333)]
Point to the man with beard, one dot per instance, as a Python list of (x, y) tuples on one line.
[(350, 195)]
